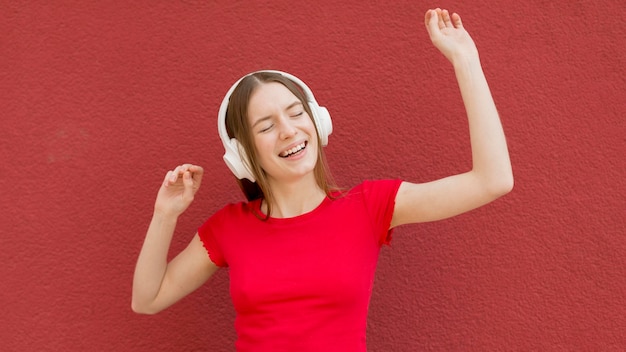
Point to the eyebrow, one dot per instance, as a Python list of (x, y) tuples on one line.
[(265, 118)]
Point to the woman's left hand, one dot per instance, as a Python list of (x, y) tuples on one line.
[(448, 35)]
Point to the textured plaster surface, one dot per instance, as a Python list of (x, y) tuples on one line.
[(99, 99)]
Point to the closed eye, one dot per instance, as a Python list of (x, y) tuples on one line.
[(266, 129)]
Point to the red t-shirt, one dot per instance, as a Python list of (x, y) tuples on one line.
[(303, 283)]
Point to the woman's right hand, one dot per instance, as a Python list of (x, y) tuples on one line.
[(178, 189)]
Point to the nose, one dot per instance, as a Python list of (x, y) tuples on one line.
[(286, 128)]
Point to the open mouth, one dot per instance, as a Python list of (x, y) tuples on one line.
[(294, 151)]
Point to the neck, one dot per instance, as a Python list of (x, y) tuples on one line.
[(295, 198)]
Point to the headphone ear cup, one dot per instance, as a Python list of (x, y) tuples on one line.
[(322, 120), (236, 160)]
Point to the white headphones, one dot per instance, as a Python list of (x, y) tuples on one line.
[(235, 155)]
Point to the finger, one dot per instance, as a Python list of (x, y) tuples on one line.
[(431, 20), (193, 168), (185, 167), (173, 174), (188, 183), (445, 16), (167, 178), (427, 17), (196, 172), (456, 20), (440, 23)]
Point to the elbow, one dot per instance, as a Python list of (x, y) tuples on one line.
[(508, 182), (502, 186), (496, 185), (140, 308)]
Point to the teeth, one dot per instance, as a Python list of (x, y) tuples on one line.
[(293, 150)]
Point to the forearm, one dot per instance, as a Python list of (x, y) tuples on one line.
[(490, 156), (152, 262)]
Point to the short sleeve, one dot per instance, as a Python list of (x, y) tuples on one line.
[(380, 200), (207, 233)]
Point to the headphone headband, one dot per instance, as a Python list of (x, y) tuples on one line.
[(235, 156)]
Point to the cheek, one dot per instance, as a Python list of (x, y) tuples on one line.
[(263, 146), (313, 129)]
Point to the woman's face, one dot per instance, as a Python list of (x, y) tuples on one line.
[(283, 133)]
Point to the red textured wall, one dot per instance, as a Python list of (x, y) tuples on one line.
[(98, 99)]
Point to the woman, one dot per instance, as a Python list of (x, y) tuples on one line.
[(301, 254)]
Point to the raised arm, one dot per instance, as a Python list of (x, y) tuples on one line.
[(491, 175), (158, 284)]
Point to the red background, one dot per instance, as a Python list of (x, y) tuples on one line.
[(99, 99)]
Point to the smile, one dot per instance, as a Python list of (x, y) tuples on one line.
[(295, 150)]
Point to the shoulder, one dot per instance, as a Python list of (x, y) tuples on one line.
[(370, 194), (374, 188), (232, 214), (225, 227)]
